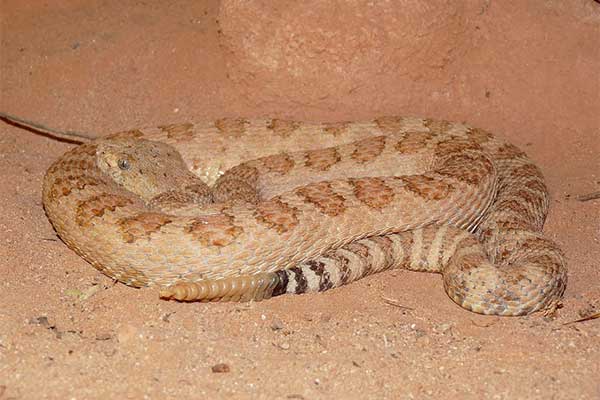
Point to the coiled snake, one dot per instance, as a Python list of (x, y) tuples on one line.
[(238, 209)]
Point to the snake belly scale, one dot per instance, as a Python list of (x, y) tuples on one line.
[(237, 209)]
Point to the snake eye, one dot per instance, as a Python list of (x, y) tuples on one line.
[(124, 164)]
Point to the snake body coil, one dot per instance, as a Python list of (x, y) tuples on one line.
[(237, 210)]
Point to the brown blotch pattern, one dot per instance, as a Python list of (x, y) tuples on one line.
[(485, 235), (508, 223), (514, 279), (526, 171), (516, 207), (359, 249), (343, 264), (322, 196), (282, 127), (54, 168), (142, 225), (427, 187), (389, 124), (277, 215), (535, 200), (318, 268), (97, 206), (67, 166), (86, 149), (368, 149), (214, 230), (335, 128), (373, 192), (322, 159), (455, 145), (280, 163), (129, 134), (479, 135), (508, 151), (85, 165), (245, 172), (413, 142), (469, 262), (230, 188), (437, 126), (543, 259), (233, 127), (537, 185), (179, 132), (198, 189), (79, 158), (466, 168), (536, 243), (63, 187), (504, 294), (300, 279)]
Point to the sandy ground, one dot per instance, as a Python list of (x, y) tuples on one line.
[(529, 72)]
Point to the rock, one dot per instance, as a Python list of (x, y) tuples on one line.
[(320, 53), (127, 333), (104, 336), (284, 346), (220, 368), (277, 324)]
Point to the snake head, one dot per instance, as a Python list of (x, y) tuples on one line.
[(143, 167)]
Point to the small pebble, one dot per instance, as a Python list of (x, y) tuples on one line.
[(104, 336), (325, 317), (40, 321), (73, 293), (89, 292), (165, 317), (443, 328), (419, 333), (277, 324), (284, 346), (220, 368), (127, 333)]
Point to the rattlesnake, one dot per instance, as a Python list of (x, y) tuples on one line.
[(238, 209)]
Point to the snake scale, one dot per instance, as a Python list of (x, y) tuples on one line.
[(237, 210)]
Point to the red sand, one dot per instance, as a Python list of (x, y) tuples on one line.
[(526, 70)]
